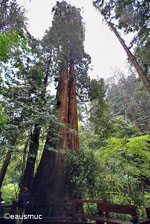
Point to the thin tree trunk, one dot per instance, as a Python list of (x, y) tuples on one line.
[(72, 110), (132, 58), (4, 167)]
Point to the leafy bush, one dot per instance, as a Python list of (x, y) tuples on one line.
[(124, 167), (80, 171), (9, 192)]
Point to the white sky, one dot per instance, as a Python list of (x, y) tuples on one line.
[(100, 43)]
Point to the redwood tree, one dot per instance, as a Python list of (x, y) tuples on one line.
[(66, 35)]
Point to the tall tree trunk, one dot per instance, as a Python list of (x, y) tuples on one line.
[(48, 186), (33, 149), (34, 143), (44, 175), (72, 110), (73, 140), (132, 58), (4, 167), (62, 102), (24, 156), (5, 164)]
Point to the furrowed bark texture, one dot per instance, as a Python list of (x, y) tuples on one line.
[(49, 182), (73, 139), (62, 93)]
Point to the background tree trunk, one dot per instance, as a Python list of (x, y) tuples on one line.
[(132, 58), (34, 143), (24, 156), (33, 149), (4, 167), (6, 163)]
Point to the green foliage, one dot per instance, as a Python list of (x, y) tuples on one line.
[(118, 171), (122, 127), (23, 86), (106, 116), (9, 192), (89, 140), (124, 164), (65, 42), (99, 109), (3, 117), (11, 16), (67, 29), (10, 44), (80, 175), (129, 103)]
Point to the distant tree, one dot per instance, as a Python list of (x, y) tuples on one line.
[(114, 11), (99, 115), (123, 94)]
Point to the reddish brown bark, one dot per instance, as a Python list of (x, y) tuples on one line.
[(49, 181), (133, 60), (48, 186), (72, 110), (62, 97)]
